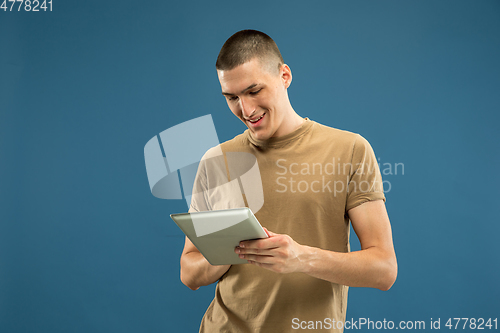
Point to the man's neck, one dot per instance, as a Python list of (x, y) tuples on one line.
[(291, 122)]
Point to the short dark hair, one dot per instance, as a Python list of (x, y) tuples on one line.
[(246, 45)]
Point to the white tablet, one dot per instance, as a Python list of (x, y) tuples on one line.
[(217, 233)]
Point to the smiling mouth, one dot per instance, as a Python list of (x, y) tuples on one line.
[(256, 120)]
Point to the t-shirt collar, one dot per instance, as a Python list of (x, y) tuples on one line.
[(282, 140)]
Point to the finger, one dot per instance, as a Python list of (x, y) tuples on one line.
[(266, 243), (255, 251), (270, 233), (256, 248), (261, 259), (267, 266)]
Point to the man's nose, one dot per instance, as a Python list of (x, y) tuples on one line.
[(247, 107)]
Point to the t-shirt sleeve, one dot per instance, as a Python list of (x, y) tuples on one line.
[(365, 181), (199, 201)]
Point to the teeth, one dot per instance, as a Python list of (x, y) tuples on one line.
[(256, 120)]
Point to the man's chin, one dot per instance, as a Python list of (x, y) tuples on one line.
[(259, 135)]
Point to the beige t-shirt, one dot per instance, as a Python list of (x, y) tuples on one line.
[(311, 178)]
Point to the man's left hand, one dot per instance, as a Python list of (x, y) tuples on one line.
[(278, 253)]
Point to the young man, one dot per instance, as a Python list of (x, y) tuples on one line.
[(316, 179)]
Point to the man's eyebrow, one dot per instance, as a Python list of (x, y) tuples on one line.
[(243, 91)]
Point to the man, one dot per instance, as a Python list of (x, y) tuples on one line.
[(316, 179)]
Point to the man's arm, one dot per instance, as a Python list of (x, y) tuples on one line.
[(196, 271), (373, 266)]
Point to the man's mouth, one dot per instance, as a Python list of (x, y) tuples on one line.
[(256, 120)]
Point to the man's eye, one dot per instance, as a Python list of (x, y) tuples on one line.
[(255, 92), (233, 98)]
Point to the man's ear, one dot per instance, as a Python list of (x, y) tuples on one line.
[(286, 75)]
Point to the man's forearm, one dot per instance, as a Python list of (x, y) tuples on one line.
[(196, 271), (374, 266), (370, 267)]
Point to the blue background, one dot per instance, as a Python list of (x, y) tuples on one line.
[(85, 247)]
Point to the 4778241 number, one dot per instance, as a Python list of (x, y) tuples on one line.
[(472, 323), (26, 5)]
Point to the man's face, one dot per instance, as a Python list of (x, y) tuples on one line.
[(257, 95)]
